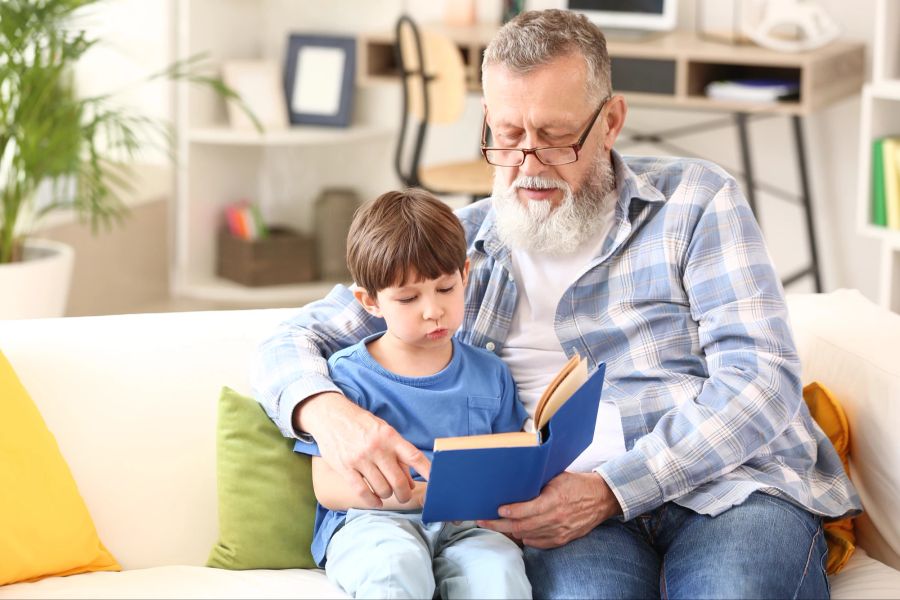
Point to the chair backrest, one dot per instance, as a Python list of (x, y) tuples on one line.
[(441, 81), (434, 88)]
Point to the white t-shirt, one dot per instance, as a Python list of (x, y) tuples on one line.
[(533, 351)]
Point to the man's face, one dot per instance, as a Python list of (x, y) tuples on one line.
[(548, 106)]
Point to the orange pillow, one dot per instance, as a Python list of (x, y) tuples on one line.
[(827, 412), (45, 525)]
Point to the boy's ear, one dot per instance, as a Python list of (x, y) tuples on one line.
[(465, 273), (369, 303)]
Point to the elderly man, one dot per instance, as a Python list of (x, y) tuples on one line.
[(707, 476)]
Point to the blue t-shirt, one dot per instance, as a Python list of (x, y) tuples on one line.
[(474, 394)]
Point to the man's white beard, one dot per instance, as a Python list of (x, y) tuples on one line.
[(537, 227)]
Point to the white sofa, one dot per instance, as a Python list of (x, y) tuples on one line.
[(132, 402)]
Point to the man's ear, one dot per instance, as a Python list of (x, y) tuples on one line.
[(368, 303), (465, 273), (616, 109)]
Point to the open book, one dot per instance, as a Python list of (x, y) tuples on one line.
[(472, 476)]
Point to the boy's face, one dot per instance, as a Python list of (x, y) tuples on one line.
[(420, 314)]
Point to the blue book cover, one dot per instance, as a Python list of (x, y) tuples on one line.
[(472, 483)]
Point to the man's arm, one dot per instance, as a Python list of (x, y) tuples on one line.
[(290, 371), (753, 390), (333, 491), (749, 398)]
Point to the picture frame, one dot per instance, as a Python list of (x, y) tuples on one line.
[(258, 84), (318, 79)]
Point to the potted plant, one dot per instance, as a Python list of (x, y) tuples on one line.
[(78, 149)]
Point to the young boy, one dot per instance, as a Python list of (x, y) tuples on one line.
[(407, 254)]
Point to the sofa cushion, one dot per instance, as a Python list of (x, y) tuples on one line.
[(181, 582), (828, 413), (46, 528), (864, 577), (266, 502), (850, 344)]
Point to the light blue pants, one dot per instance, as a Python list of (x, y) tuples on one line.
[(384, 554)]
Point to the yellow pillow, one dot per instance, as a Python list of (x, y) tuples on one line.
[(45, 525), (827, 412)]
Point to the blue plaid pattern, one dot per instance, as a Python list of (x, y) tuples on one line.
[(685, 308)]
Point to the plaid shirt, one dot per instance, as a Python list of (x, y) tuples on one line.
[(683, 305)]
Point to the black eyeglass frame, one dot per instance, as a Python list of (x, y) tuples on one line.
[(576, 147)]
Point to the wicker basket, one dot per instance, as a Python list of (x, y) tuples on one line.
[(283, 257)]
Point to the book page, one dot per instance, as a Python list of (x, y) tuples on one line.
[(551, 387), (488, 440), (571, 381)]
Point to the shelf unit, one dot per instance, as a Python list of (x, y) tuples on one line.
[(669, 70), (880, 116), (284, 171)]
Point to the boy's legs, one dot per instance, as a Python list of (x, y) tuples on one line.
[(477, 563), (378, 554)]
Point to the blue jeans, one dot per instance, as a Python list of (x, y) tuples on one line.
[(763, 548)]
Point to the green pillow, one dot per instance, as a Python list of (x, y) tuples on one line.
[(266, 502)]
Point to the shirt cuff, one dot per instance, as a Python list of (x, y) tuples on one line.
[(632, 482), (294, 395)]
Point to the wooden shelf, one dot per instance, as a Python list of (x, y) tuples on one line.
[(886, 90), (669, 70), (890, 237), (295, 136)]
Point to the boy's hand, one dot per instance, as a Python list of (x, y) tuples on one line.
[(364, 450)]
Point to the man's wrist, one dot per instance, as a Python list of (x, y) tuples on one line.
[(306, 414), (613, 507)]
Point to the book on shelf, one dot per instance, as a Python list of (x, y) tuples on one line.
[(890, 155), (244, 221), (472, 476), (879, 203), (753, 90)]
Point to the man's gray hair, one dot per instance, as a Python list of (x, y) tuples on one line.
[(537, 37)]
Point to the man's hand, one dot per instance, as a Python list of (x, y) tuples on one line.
[(365, 451), (568, 508)]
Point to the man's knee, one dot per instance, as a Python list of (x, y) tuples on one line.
[(611, 561), (764, 548)]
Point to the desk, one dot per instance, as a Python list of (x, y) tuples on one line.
[(672, 71)]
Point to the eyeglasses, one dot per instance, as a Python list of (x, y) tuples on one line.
[(549, 155)]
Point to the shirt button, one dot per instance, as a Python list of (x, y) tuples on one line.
[(511, 278), (490, 346)]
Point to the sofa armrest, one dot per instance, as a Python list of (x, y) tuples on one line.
[(851, 345)]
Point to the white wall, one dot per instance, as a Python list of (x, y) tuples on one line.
[(135, 43), (139, 32)]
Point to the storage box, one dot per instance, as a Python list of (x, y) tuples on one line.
[(284, 256)]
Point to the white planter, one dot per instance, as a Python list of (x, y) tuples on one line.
[(39, 285)]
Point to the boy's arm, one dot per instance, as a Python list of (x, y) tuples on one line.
[(335, 493)]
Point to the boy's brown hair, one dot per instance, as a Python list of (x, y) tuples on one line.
[(402, 232)]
